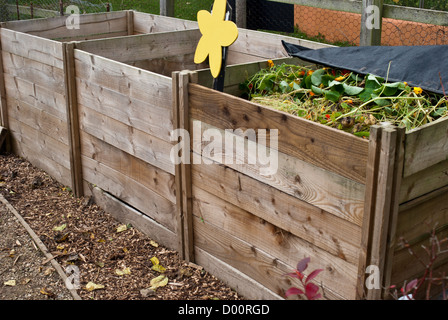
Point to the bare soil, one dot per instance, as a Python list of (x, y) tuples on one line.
[(81, 234)]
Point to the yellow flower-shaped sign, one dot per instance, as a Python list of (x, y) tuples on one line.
[(216, 33)]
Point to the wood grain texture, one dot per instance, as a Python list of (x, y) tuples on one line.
[(33, 94), (43, 74), (129, 215), (254, 262), (130, 191), (38, 49), (125, 79), (142, 47), (135, 142), (426, 146), (142, 115), (90, 24), (151, 23), (144, 173), (324, 189), (316, 226), (328, 148)]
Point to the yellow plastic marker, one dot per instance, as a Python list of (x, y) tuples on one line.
[(216, 33)]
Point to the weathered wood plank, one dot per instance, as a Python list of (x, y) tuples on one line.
[(36, 96), (149, 176), (336, 235), (33, 71), (425, 181), (321, 188), (419, 216), (426, 146), (141, 47), (54, 28), (130, 191), (41, 160), (38, 119), (241, 283), (141, 115), (125, 79), (328, 148), (127, 214), (150, 23), (261, 266), (73, 120), (273, 240), (135, 142), (32, 47)]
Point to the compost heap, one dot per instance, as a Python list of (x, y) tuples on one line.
[(352, 99)]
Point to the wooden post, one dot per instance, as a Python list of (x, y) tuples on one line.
[(3, 105), (167, 8), (61, 7), (185, 169), (383, 182), (241, 13), (371, 22), (130, 22), (73, 119)]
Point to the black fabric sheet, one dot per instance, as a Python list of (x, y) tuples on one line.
[(419, 66)]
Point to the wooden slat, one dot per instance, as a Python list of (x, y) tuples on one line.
[(41, 160), (261, 266), (38, 119), (236, 222), (39, 142), (130, 191), (149, 176), (333, 234), (325, 147), (150, 23), (425, 181), (129, 215), (73, 120), (142, 47), (244, 285), (33, 94), (32, 47), (125, 79), (33, 71), (135, 142), (426, 146), (186, 170), (419, 216), (54, 28), (141, 115)]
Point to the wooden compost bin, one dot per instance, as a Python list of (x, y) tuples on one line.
[(96, 107), (34, 88), (341, 200)]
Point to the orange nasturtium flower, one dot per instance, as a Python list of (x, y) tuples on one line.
[(271, 63), (216, 34), (418, 90), (310, 72)]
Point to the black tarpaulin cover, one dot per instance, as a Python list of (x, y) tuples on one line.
[(419, 66)]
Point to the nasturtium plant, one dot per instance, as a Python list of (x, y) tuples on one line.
[(343, 99)]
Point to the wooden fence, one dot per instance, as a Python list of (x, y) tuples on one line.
[(98, 115)]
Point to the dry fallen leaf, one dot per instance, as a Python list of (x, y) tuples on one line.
[(10, 283), (25, 281), (159, 281), (153, 243), (123, 271), (156, 266), (93, 286), (46, 292), (60, 228), (122, 228)]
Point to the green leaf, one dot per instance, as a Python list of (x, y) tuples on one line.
[(332, 95), (60, 228), (316, 77), (284, 86), (307, 82), (352, 90), (317, 90), (159, 281), (362, 134)]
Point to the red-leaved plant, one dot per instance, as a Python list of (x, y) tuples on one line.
[(309, 289)]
